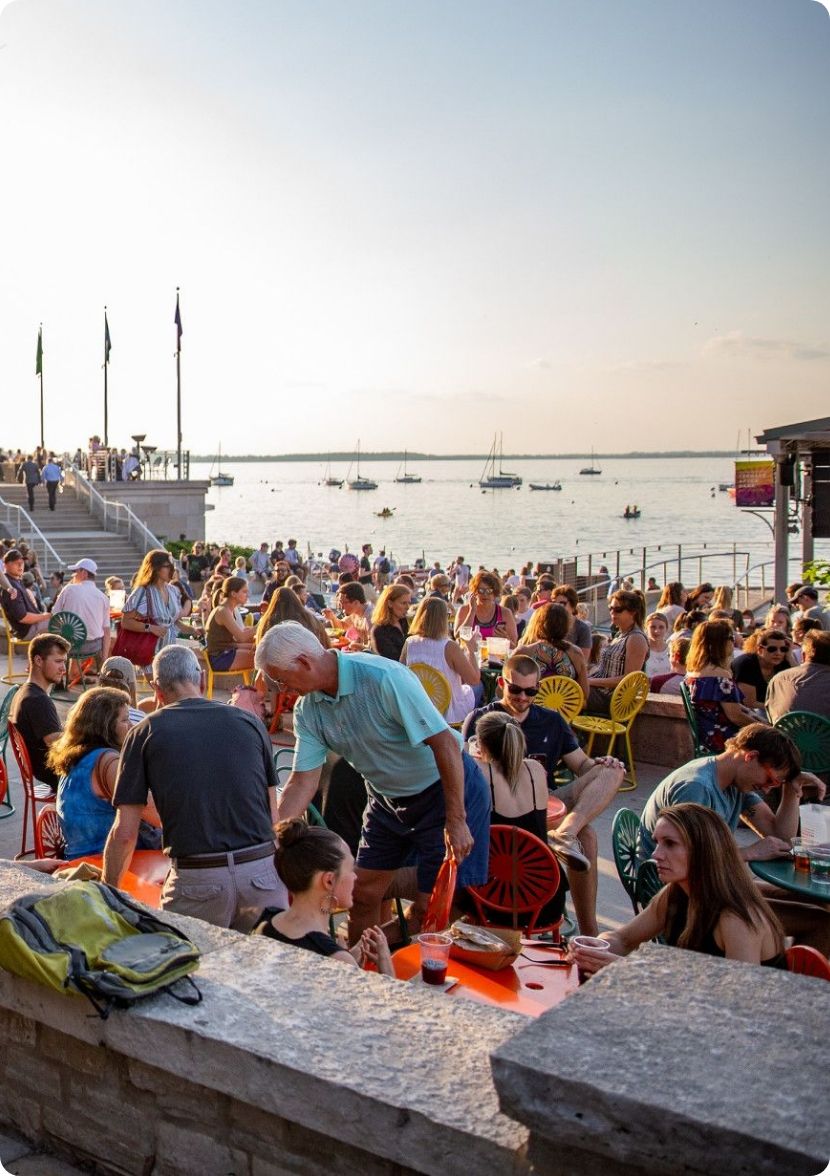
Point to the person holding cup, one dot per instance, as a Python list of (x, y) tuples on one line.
[(709, 903)]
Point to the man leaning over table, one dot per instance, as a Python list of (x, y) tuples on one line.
[(423, 793), (211, 772), (756, 760), (596, 781)]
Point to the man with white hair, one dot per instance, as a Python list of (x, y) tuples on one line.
[(211, 772), (424, 795), (82, 597)]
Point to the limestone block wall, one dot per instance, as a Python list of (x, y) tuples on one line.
[(660, 734), (291, 1063), (169, 509)]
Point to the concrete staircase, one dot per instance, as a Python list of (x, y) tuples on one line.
[(75, 534)]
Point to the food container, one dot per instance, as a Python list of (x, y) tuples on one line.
[(501, 948)]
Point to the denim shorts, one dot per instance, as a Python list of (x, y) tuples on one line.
[(393, 828), (222, 660)]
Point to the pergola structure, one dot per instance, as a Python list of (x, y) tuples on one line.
[(802, 457)]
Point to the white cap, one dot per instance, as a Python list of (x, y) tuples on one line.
[(84, 565)]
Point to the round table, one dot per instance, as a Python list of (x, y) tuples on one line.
[(781, 872)]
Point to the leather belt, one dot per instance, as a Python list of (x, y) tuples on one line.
[(213, 861)]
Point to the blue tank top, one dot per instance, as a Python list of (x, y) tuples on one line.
[(85, 818)]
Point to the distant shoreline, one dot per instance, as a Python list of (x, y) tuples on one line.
[(411, 456)]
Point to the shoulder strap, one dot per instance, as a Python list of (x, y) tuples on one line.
[(532, 783), (492, 791)]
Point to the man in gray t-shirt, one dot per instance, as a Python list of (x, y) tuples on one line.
[(755, 761)]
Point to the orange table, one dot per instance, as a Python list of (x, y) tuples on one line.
[(144, 877), (556, 811), (522, 988)]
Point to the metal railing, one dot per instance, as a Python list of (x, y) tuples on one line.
[(114, 516), (24, 527)]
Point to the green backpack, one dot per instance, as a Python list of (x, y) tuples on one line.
[(89, 939)]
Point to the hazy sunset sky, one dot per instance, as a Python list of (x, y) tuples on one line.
[(595, 222)]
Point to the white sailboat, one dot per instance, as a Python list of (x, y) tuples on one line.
[(406, 478), (328, 480), (490, 479), (591, 469), (360, 483), (220, 479)]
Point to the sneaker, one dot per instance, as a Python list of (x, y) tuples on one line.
[(568, 851)]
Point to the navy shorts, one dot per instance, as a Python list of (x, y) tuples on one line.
[(222, 660), (392, 829)]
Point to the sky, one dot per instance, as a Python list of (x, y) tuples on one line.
[(595, 223)]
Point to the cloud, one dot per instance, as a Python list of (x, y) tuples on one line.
[(737, 345), (645, 366), (540, 364)]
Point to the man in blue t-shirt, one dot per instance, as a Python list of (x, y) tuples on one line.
[(756, 760), (596, 781), (423, 794)]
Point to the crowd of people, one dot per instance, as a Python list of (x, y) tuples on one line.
[(198, 777)]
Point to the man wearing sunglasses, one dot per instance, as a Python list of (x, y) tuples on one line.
[(596, 781)]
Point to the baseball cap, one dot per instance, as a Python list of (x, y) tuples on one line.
[(804, 590), (84, 565), (12, 554)]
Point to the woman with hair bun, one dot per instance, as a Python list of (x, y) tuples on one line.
[(317, 868)]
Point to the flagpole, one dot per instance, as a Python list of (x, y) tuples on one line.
[(178, 321), (40, 373), (106, 365)]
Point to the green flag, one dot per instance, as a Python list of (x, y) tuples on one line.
[(39, 356)]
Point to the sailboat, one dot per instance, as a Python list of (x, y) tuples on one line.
[(591, 469), (405, 477), (220, 479), (359, 483), (490, 480), (329, 480)]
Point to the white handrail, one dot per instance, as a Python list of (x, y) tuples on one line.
[(27, 529), (115, 516)]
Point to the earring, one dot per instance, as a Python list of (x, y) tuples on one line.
[(327, 905)]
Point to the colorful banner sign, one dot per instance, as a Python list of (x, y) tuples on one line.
[(754, 483)]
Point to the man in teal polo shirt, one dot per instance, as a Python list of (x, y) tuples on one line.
[(423, 793)]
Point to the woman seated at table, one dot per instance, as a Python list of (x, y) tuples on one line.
[(545, 640), (230, 644), (766, 653), (483, 611), (85, 756), (286, 605), (717, 701), (625, 655), (390, 626), (356, 622), (709, 902), (518, 789), (701, 596), (317, 868), (429, 641)]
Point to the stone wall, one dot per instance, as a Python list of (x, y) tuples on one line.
[(169, 509), (661, 733), (672, 1062), (292, 1063)]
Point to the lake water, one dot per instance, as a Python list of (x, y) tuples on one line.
[(448, 515)]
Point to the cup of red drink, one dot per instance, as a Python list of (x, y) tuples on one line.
[(589, 941), (435, 956), (801, 855)]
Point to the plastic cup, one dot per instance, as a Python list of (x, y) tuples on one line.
[(466, 632), (498, 648), (435, 956), (595, 945), (820, 866), (801, 856)]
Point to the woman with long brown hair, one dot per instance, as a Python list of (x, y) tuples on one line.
[(286, 605), (717, 701), (85, 756), (709, 902), (672, 601), (153, 606), (390, 627), (545, 640), (230, 645)]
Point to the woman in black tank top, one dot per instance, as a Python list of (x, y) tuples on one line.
[(709, 903)]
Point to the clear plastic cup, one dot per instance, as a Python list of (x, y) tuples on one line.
[(435, 956)]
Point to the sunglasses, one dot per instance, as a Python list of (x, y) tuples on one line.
[(773, 777), (776, 648), (530, 691), (484, 592), (617, 608)]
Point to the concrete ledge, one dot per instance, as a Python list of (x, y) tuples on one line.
[(311, 1061), (673, 1062), (661, 734)]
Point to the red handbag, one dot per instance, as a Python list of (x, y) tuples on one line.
[(139, 648)]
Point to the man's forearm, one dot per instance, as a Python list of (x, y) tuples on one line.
[(785, 824), (117, 854)]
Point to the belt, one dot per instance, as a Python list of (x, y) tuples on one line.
[(212, 861)]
